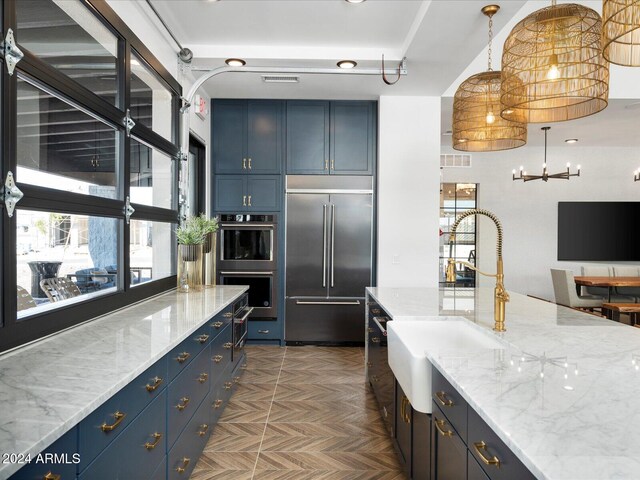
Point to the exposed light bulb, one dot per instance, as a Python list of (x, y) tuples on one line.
[(491, 118), (553, 73)]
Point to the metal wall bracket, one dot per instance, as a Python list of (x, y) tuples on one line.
[(128, 210), (128, 122), (10, 51), (10, 194)]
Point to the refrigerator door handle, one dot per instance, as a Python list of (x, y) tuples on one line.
[(324, 245), (346, 302), (333, 241)]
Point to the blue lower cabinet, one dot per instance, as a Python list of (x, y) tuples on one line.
[(184, 455), (186, 392), (221, 353), (220, 321), (60, 460), (263, 330), (138, 451), (182, 355), (100, 428), (161, 471)]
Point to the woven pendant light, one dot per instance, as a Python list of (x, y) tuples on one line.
[(621, 32), (552, 66), (477, 124)]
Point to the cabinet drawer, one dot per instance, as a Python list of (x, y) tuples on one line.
[(184, 455), (65, 447), (486, 447), (183, 354), (220, 321), (421, 446), (263, 330), (138, 451), (220, 394), (449, 450), (186, 392), (221, 348), (101, 427), (453, 406)]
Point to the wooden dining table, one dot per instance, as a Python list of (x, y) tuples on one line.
[(609, 282)]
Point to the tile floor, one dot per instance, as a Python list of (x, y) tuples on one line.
[(300, 413)]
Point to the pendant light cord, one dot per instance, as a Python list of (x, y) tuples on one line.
[(490, 41)]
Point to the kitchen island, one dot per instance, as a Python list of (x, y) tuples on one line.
[(49, 387), (561, 394)]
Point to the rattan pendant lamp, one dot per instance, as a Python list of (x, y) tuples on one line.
[(552, 66), (477, 124), (621, 32)]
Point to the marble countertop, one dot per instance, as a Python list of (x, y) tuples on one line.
[(564, 392), (48, 387)]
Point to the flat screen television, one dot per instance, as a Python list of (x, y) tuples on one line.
[(605, 231)]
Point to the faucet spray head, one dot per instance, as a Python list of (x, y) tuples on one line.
[(451, 270)]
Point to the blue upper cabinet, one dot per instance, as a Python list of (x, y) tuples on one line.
[(307, 137), (247, 136), (331, 137), (352, 138)]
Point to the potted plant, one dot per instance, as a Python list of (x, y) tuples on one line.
[(190, 238)]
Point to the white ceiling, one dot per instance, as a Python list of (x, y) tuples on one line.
[(444, 42)]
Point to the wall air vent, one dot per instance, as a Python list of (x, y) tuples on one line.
[(455, 160), (280, 79)]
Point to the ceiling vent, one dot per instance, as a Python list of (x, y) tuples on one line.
[(280, 78), (455, 160)]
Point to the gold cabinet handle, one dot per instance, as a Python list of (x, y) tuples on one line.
[(228, 315), (333, 164), (402, 407), (51, 476), (326, 164), (439, 426), (217, 403), (202, 338), (370, 330), (375, 339), (119, 417), (217, 358), (227, 345), (375, 311), (444, 401), (249, 167), (203, 429), (185, 463), (157, 381), (184, 401), (481, 447), (203, 377), (244, 163), (236, 379), (244, 200), (249, 201), (183, 357), (369, 364), (406, 418), (228, 385), (217, 325), (150, 446)]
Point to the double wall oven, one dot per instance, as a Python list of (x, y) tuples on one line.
[(247, 255)]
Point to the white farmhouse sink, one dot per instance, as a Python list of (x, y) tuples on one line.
[(409, 343)]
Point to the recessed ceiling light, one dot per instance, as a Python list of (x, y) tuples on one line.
[(235, 62), (355, 1), (347, 64), (571, 140)]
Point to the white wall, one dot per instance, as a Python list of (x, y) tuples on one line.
[(529, 212), (408, 191)]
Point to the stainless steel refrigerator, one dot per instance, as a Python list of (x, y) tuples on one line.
[(329, 245)]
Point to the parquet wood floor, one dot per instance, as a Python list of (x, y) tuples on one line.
[(300, 413)]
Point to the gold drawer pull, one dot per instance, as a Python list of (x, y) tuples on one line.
[(185, 463), (150, 446), (442, 398), (228, 345), (375, 339), (228, 315), (203, 429), (370, 330), (51, 476), (119, 417), (203, 377), (217, 324), (439, 426), (217, 358), (202, 338), (217, 403), (375, 311), (236, 379), (369, 364), (184, 401), (481, 447), (228, 385), (157, 381), (406, 417), (183, 357)]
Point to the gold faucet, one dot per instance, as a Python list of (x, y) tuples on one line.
[(501, 297)]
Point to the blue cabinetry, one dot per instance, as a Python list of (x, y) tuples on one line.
[(58, 461), (247, 193), (307, 137)]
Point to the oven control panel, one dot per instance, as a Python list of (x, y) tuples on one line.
[(247, 218)]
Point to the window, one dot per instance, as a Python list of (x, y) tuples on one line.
[(70, 253)]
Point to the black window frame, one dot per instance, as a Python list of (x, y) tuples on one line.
[(14, 332)]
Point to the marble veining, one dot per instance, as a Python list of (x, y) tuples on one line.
[(48, 387), (563, 395)]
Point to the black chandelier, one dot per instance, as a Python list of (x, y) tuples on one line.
[(525, 177)]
